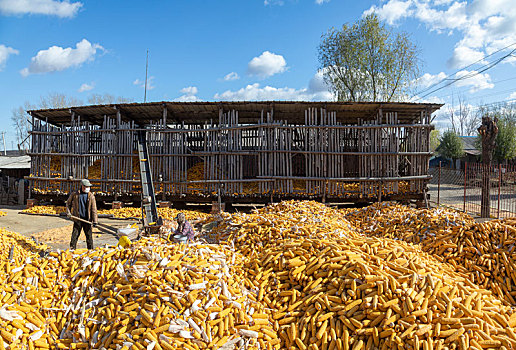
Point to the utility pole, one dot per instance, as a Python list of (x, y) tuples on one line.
[(146, 71), (3, 136)]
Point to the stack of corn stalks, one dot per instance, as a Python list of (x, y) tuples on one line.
[(151, 295)]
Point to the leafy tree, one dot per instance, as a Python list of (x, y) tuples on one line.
[(451, 145), (365, 61), (434, 140), (505, 140)]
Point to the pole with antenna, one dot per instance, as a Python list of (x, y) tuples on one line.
[(146, 71), (3, 136)]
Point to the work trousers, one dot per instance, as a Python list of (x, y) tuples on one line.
[(76, 232)]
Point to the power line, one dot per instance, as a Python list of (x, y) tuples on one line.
[(469, 75), (466, 76), (463, 90)]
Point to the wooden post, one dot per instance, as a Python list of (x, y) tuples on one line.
[(499, 187), (21, 192), (439, 186), (465, 181), (488, 131)]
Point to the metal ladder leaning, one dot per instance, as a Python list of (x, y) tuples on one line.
[(151, 220)]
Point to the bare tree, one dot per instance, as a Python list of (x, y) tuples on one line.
[(106, 99), (57, 100), (21, 119), (463, 121), (22, 125)]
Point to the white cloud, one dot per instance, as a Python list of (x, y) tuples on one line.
[(428, 79), (316, 91), (320, 2), (86, 87), (463, 56), (141, 83), (5, 52), (190, 90), (231, 76), (427, 99), (56, 58), (274, 2), (317, 84), (189, 95), (64, 9), (484, 26), (477, 81), (266, 65), (392, 11), (512, 96)]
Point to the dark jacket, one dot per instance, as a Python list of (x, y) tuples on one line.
[(72, 206)]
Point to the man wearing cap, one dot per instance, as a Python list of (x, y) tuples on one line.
[(82, 204)]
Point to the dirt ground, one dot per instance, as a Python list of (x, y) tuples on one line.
[(56, 231)]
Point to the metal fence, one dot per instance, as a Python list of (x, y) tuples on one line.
[(462, 189)]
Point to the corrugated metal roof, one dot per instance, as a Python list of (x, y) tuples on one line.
[(20, 162), (469, 143), (249, 111)]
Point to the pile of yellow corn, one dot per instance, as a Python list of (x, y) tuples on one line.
[(3, 213), (21, 246), (294, 275), (123, 213), (45, 209), (391, 220), (165, 213), (285, 220), (482, 251), (327, 286), (367, 293), (151, 295)]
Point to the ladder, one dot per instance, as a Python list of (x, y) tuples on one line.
[(151, 220)]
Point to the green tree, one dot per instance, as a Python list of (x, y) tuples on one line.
[(505, 140), (451, 145), (434, 140), (365, 61)]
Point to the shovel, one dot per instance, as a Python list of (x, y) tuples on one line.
[(107, 227)]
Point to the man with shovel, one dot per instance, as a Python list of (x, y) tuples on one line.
[(81, 207)]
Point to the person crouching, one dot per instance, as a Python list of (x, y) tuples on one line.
[(184, 231)]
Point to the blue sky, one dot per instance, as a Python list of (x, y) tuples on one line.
[(224, 50)]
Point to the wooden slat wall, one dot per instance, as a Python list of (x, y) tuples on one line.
[(272, 144)]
